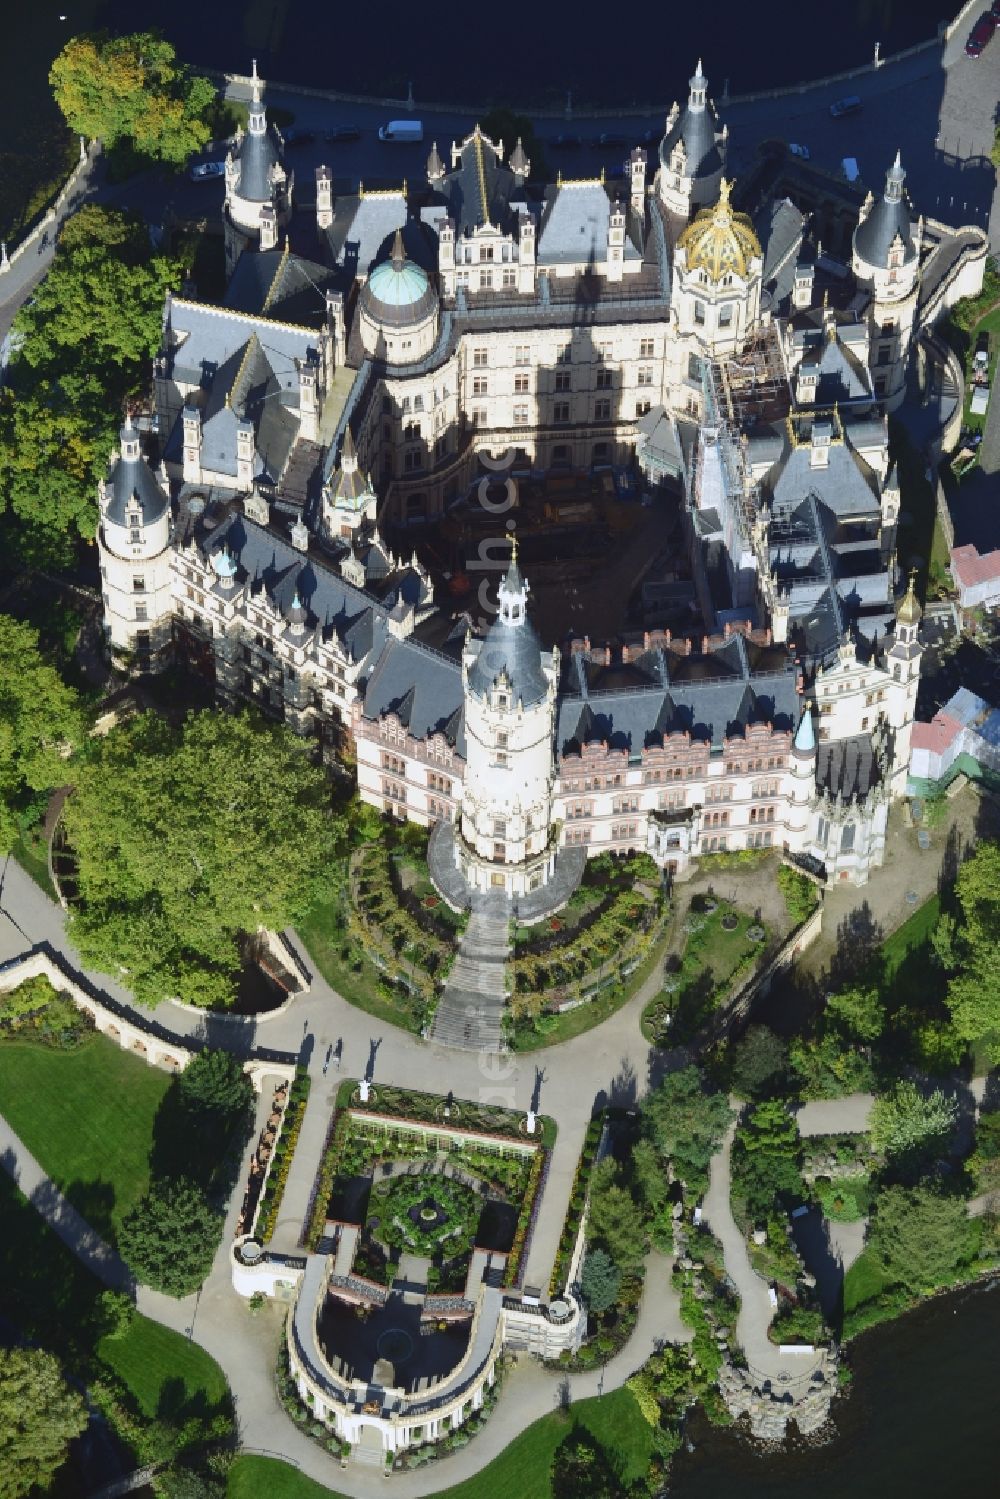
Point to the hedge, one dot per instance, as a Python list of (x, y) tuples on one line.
[(277, 1177), (577, 1204)]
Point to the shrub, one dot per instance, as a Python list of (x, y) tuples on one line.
[(170, 1237), (800, 894)]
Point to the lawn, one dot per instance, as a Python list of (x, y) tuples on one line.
[(520, 1472), (88, 1117), (52, 1300), (353, 976), (711, 961), (166, 1373), (914, 933), (864, 1281)]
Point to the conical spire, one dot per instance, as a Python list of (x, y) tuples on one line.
[(435, 166), (398, 251), (297, 613), (348, 453), (519, 163), (805, 734), (257, 121), (698, 85), (894, 179)]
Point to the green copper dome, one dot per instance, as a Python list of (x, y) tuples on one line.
[(398, 284)]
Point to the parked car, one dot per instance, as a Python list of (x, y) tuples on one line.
[(297, 136), (802, 152), (343, 133), (981, 34), (847, 106), (203, 171), (402, 130)]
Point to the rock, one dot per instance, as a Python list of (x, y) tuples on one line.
[(760, 1235)]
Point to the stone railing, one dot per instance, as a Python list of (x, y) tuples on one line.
[(52, 214), (144, 1038)]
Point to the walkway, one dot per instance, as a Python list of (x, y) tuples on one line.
[(470, 1011)]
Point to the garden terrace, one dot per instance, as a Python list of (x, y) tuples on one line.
[(723, 945), (576, 1206)]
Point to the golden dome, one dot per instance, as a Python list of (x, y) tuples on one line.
[(719, 241), (909, 611)]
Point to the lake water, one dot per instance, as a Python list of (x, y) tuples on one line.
[(921, 1418)]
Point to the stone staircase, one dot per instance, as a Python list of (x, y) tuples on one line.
[(470, 1010)]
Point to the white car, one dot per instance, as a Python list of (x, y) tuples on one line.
[(802, 152), (203, 170)]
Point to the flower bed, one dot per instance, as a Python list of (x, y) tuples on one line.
[(284, 1150), (35, 1011), (577, 1204), (516, 1259), (424, 1215)]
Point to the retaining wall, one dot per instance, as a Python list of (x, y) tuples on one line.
[(52, 214)]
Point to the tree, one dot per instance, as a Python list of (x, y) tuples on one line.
[(905, 1122), (170, 1237), (613, 1221), (214, 1082), (583, 1469), (39, 1417), (765, 1160), (919, 1236), (857, 1013), (41, 722), (757, 1060), (686, 1122), (84, 345), (118, 1312), (184, 1483), (974, 989), (187, 838), (131, 88), (600, 1281)]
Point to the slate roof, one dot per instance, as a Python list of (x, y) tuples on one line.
[(256, 155), (199, 340), (696, 127), (840, 374), (423, 687), (249, 388), (847, 766), (134, 477), (574, 227), (516, 650), (478, 190), (275, 284), (363, 228), (779, 227), (846, 486), (888, 217), (711, 696)]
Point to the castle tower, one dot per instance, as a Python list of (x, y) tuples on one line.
[(258, 189), (510, 693), (903, 660), (886, 259), (717, 274), (802, 787), (133, 541), (692, 152)]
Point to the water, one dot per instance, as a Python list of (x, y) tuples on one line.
[(921, 1418), (643, 54)]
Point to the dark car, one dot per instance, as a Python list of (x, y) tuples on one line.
[(981, 34), (298, 137), (842, 107), (343, 133)]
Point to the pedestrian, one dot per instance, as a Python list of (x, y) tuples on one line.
[(326, 1059)]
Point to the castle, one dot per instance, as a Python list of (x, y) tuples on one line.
[(420, 342)]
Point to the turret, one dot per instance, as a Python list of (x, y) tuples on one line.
[(134, 545), (435, 167), (519, 163), (692, 151)]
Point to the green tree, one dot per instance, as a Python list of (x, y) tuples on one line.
[(118, 1312), (613, 1221), (184, 1483), (170, 1237), (131, 88), (905, 1122), (85, 342), (504, 125), (974, 989), (758, 1059), (214, 1082), (39, 1417), (649, 1173), (766, 1157), (919, 1236), (857, 1013), (41, 722), (600, 1281), (188, 837), (687, 1123), (583, 1469)]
